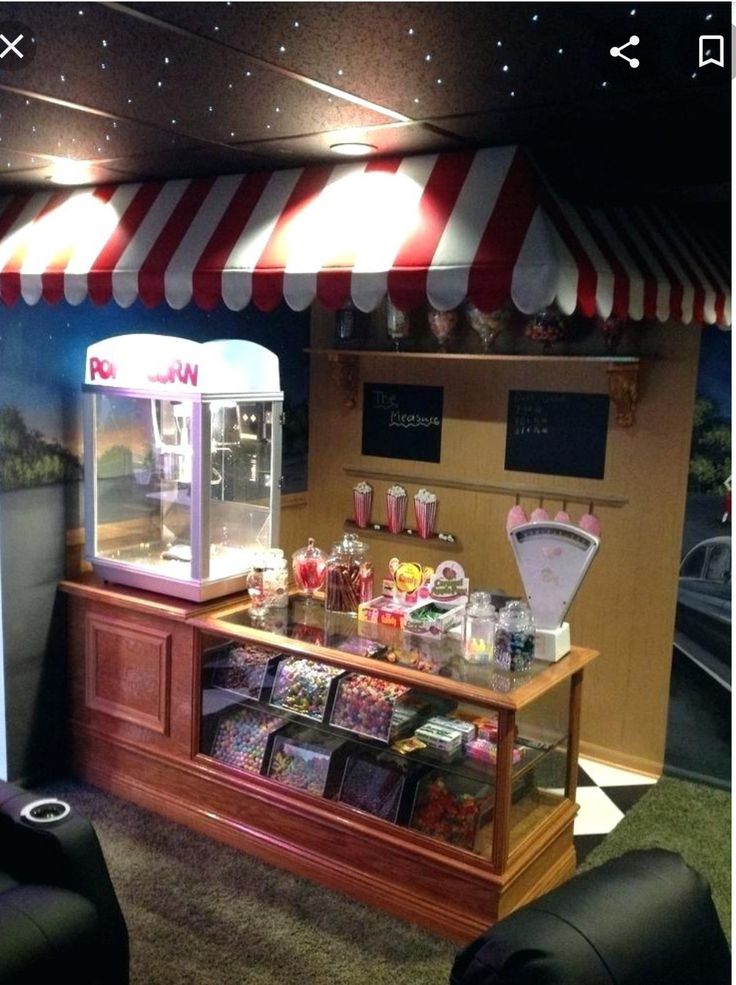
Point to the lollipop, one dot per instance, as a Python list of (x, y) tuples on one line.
[(540, 515), (562, 516), (590, 524)]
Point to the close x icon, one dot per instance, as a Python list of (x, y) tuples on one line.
[(17, 45)]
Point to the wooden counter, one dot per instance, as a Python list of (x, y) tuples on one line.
[(137, 670)]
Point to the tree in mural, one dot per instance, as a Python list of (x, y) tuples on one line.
[(710, 454), (27, 459)]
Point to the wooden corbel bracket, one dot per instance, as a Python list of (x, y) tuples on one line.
[(345, 371), (623, 389)]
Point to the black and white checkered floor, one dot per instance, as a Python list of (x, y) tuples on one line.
[(605, 794)]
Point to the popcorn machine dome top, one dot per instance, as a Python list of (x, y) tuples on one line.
[(182, 461)]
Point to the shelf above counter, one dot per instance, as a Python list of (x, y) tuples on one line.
[(622, 371)]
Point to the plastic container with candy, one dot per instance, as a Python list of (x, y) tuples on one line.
[(242, 737), (247, 669), (307, 760), (377, 783), (305, 687), (368, 706), (451, 807)]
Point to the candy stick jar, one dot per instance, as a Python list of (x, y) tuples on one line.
[(479, 629), (308, 566), (348, 575), (514, 641)]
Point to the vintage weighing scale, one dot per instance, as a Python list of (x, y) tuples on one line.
[(553, 558)]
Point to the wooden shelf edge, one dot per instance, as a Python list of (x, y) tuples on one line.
[(381, 530), (484, 356), (502, 488)]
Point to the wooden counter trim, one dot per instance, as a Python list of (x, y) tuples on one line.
[(94, 589), (548, 678), (559, 819)]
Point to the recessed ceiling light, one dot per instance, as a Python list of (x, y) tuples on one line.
[(67, 172), (353, 148)]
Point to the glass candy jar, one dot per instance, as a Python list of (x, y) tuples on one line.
[(348, 575), (268, 581), (479, 629), (514, 640), (308, 566)]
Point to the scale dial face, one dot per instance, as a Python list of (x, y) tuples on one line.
[(553, 559)]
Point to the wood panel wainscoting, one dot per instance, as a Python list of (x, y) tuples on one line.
[(135, 671)]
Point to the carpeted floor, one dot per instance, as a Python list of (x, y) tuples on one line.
[(200, 913)]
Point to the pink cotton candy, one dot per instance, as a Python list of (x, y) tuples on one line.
[(540, 515), (562, 517), (590, 524), (516, 516)]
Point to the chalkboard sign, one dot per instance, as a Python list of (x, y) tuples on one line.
[(557, 433), (402, 421)]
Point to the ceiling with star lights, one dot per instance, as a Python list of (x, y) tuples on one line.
[(166, 90)]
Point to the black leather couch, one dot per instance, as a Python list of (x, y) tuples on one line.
[(645, 918), (59, 917)]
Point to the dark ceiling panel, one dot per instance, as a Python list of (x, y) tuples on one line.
[(119, 64), (187, 163), (35, 126)]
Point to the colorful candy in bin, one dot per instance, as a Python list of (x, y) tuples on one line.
[(374, 784), (307, 760), (247, 669), (450, 808), (242, 737), (304, 686), (366, 705)]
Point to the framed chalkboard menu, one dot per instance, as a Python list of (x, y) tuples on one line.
[(401, 421), (557, 433)]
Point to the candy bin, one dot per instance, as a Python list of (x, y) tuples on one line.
[(349, 576), (304, 687), (308, 566), (366, 705), (307, 760), (247, 669), (375, 782), (242, 737), (451, 808)]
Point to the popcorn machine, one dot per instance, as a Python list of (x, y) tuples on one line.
[(182, 462)]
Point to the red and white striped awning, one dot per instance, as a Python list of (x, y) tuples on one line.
[(438, 228)]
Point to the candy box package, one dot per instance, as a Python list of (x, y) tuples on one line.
[(305, 687), (433, 617), (383, 611), (247, 669), (444, 742), (451, 807), (373, 707), (378, 783), (242, 737), (307, 760)]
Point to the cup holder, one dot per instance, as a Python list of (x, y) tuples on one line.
[(46, 811)]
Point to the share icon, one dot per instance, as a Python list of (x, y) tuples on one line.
[(618, 52)]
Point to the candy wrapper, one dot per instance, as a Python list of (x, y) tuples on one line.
[(362, 502), (396, 509), (425, 510)]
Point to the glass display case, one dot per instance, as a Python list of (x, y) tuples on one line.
[(182, 462), (461, 755)]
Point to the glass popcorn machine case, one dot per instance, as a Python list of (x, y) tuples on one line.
[(182, 462)]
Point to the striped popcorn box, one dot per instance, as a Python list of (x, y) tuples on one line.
[(396, 509), (362, 501), (425, 510)]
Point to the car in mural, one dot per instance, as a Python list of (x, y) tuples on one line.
[(703, 621)]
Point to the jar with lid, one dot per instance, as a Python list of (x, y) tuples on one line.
[(308, 567), (348, 575), (479, 628), (268, 581), (514, 641)]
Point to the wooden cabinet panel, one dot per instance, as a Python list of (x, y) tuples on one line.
[(129, 672)]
